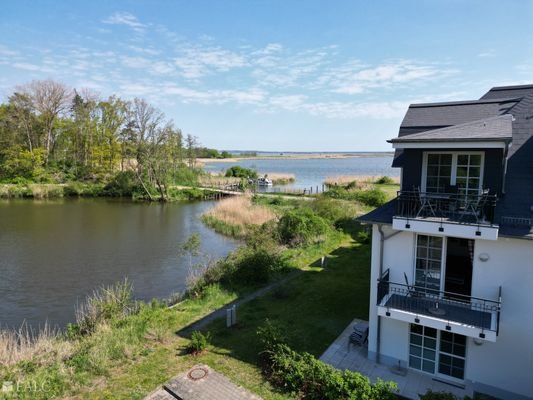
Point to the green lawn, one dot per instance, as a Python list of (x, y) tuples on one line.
[(312, 309)]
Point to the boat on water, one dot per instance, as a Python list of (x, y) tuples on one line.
[(264, 182)]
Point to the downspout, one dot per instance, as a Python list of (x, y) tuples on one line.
[(381, 248)]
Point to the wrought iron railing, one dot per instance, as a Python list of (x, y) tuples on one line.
[(452, 307), (464, 208)]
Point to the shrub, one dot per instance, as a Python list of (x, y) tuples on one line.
[(123, 184), (334, 210), (257, 266), (303, 374), (385, 180), (199, 342), (302, 226), (372, 197), (241, 172), (106, 303), (363, 237), (186, 176)]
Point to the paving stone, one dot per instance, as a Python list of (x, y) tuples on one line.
[(342, 355), (203, 383)]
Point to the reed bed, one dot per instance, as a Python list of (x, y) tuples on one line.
[(343, 180), (23, 344), (239, 210), (217, 180), (279, 178)]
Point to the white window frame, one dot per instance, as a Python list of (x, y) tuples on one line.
[(438, 352), (453, 178), (442, 259)]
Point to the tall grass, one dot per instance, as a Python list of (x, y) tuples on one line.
[(106, 303), (24, 344), (239, 210), (343, 180), (279, 178)]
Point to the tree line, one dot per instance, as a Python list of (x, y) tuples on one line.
[(52, 133)]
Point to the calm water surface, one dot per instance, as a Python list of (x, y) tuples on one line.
[(313, 172), (54, 253)]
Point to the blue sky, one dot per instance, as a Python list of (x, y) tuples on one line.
[(273, 75)]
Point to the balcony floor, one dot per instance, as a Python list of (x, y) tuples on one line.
[(343, 355), (456, 313)]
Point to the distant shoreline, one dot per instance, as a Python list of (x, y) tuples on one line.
[(293, 156)]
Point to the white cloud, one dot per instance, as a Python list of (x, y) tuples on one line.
[(125, 18), (488, 53), (187, 95), (26, 66), (358, 80), (196, 61)]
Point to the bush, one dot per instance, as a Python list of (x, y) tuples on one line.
[(239, 172), (256, 266), (302, 226), (385, 180), (334, 210), (372, 197), (199, 342), (302, 374), (186, 176), (363, 237), (123, 184)]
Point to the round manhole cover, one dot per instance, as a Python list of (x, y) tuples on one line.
[(197, 373)]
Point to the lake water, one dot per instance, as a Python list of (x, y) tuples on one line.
[(54, 253), (313, 172)]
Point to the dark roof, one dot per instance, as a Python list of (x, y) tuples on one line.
[(499, 92), (380, 215), (490, 129), (440, 115), (475, 119)]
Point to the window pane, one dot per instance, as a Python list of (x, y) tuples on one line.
[(458, 373), (430, 332), (475, 159), (415, 362), (446, 159), (462, 159), (462, 172), (428, 366), (415, 351), (416, 329), (433, 159), (429, 354), (416, 339), (473, 172), (430, 343)]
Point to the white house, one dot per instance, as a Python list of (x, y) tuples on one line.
[(452, 255)]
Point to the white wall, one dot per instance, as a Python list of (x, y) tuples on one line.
[(503, 367), (508, 363), (398, 257)]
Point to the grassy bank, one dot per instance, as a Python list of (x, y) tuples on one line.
[(134, 348), (120, 348)]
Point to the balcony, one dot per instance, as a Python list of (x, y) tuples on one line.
[(451, 214), (465, 315)]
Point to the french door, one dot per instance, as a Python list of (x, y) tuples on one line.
[(461, 170), (437, 352), (444, 264)]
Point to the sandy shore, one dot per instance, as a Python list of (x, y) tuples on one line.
[(292, 157)]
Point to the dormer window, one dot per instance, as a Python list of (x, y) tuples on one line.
[(460, 172)]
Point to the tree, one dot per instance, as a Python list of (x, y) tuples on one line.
[(191, 143), (49, 99)]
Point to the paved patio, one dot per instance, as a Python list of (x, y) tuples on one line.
[(343, 355), (201, 383)]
